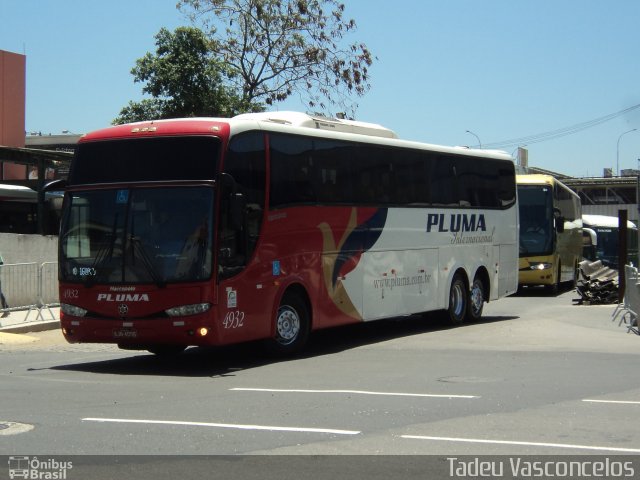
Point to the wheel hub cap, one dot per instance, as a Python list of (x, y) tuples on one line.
[(288, 325)]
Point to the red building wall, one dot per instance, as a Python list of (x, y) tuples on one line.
[(12, 108)]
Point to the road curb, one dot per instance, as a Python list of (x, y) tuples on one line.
[(31, 327)]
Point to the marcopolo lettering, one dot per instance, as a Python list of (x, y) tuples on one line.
[(457, 222), (123, 297)]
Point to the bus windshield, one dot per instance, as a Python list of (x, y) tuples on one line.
[(145, 160), (536, 220), (137, 235)]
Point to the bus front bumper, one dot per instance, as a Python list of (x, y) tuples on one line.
[(536, 273), (192, 331)]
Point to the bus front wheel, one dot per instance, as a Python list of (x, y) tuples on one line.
[(292, 325), (458, 299)]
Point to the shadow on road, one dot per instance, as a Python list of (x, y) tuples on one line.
[(225, 361)]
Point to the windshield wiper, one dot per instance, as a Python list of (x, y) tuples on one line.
[(146, 261), (104, 254)]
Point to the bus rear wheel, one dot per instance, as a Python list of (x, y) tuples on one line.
[(292, 326), (476, 300), (458, 299)]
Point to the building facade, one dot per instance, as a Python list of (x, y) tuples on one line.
[(12, 109)]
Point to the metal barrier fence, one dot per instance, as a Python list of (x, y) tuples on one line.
[(30, 286)]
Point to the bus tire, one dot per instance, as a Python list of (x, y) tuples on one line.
[(458, 300), (476, 300), (292, 326)]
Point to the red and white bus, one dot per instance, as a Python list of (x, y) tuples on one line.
[(267, 226)]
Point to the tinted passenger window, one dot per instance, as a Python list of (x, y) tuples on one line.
[(245, 162), (481, 183), (566, 203), (291, 170), (324, 172)]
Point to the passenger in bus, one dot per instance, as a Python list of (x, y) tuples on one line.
[(196, 254)]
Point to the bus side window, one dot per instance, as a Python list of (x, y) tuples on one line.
[(442, 181), (245, 162)]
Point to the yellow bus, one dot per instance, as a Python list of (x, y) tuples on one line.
[(550, 232)]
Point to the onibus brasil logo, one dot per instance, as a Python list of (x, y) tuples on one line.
[(38, 469)]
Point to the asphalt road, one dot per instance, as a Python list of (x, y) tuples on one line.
[(538, 376)]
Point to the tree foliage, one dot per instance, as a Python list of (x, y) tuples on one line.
[(275, 48), (185, 79)]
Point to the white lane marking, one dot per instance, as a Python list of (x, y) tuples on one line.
[(353, 392), (625, 402), (529, 444), (226, 425)]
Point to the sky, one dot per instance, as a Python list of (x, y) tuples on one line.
[(504, 70)]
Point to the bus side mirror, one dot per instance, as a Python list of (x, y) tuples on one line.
[(559, 219), (237, 209)]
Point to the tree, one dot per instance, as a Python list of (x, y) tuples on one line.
[(147, 109), (185, 79), (275, 48)]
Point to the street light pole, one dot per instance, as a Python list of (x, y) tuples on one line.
[(618, 150), (479, 142)]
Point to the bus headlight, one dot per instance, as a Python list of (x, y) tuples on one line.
[(72, 310), (540, 266), (186, 310)]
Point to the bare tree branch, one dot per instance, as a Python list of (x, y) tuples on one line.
[(277, 48)]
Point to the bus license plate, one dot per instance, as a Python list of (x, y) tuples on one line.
[(125, 333)]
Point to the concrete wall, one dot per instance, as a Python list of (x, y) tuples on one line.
[(18, 248), (29, 275)]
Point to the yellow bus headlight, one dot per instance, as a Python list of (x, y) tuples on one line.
[(540, 266)]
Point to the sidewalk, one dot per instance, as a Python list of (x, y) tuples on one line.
[(34, 320)]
